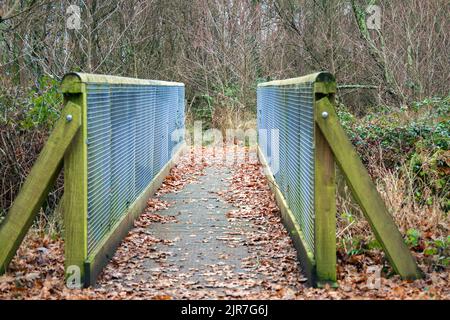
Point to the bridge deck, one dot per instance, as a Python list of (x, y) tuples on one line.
[(212, 231)]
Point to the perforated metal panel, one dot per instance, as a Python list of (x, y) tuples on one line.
[(286, 116), (129, 130)]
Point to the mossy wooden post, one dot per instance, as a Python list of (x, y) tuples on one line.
[(324, 195), (319, 262), (325, 210), (37, 185), (78, 258), (365, 192), (75, 183)]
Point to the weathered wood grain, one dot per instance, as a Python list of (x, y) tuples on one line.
[(325, 211), (37, 185), (365, 192), (75, 186)]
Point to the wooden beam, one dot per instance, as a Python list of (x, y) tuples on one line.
[(75, 188), (37, 185), (365, 192), (325, 211)]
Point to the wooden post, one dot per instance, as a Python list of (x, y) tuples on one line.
[(78, 261), (75, 184), (318, 262), (325, 211), (38, 183), (324, 193), (365, 192)]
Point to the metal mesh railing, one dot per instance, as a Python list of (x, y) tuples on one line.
[(286, 115), (129, 140)]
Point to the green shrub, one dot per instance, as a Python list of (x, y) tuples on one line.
[(412, 237), (418, 137), (44, 105), (438, 252)]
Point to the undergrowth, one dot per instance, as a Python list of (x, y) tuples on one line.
[(407, 154)]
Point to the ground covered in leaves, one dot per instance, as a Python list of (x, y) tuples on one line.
[(237, 249)]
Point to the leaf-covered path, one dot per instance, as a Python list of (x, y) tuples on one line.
[(212, 231)]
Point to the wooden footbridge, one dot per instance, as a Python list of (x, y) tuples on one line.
[(117, 139)]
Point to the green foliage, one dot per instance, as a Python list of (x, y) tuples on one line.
[(348, 217), (44, 104), (223, 106), (417, 138), (393, 133), (232, 91), (431, 170), (438, 251), (440, 107), (412, 237), (356, 245), (202, 110), (374, 245), (435, 251)]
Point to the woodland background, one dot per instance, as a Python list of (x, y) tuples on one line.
[(394, 100)]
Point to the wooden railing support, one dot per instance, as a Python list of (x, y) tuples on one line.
[(365, 192), (37, 185), (325, 212), (75, 188)]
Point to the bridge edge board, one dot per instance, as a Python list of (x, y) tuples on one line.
[(96, 261), (305, 255)]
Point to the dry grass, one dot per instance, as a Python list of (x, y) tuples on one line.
[(398, 192), (397, 189), (235, 118)]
